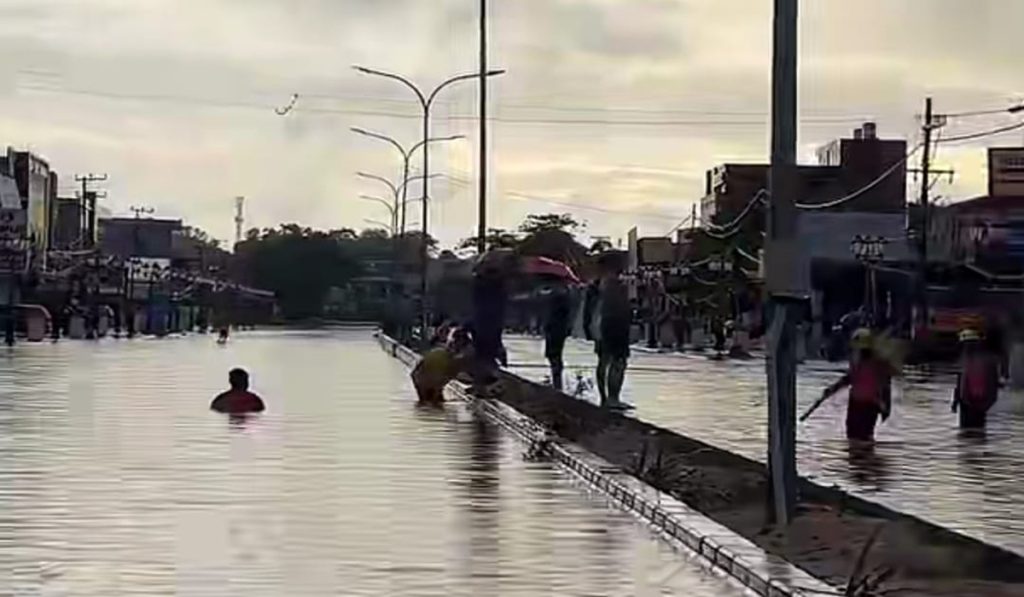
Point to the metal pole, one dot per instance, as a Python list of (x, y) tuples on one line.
[(481, 238), (405, 189), (424, 255), (926, 159), (785, 278)]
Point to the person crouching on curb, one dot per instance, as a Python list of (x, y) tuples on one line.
[(870, 381), (977, 386), (440, 365)]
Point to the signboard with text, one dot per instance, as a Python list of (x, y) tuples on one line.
[(1006, 172)]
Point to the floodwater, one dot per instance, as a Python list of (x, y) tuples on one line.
[(921, 464), (115, 479)]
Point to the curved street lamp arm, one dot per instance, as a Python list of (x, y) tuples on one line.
[(394, 77), (402, 186), (383, 202), (391, 185), (456, 79), (385, 138), (421, 143)]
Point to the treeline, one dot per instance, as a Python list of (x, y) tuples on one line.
[(301, 264)]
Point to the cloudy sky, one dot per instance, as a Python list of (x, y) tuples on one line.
[(611, 109)]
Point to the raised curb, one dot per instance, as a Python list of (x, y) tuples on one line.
[(763, 573)]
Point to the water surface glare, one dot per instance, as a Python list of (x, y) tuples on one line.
[(115, 479)]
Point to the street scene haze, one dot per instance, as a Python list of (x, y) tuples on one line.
[(468, 297)]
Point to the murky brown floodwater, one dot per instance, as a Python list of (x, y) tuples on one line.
[(921, 465), (115, 479)]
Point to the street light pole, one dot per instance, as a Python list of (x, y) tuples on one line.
[(481, 234), (785, 276), (426, 102), (406, 157)]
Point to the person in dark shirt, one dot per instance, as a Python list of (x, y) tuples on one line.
[(557, 326), (607, 318), (490, 297), (238, 400)]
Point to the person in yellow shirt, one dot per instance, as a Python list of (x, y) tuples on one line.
[(440, 365)]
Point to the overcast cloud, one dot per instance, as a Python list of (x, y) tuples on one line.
[(173, 98)]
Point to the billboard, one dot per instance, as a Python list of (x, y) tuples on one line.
[(655, 251), (1006, 172)]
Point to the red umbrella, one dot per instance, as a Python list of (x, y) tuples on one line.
[(549, 267)]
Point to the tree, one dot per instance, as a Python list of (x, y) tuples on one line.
[(601, 245), (497, 238), (542, 222), (298, 264), (199, 236)]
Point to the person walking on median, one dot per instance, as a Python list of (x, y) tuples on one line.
[(490, 297), (557, 326), (977, 385), (607, 318), (870, 381)]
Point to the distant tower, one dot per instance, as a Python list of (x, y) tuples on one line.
[(239, 218)]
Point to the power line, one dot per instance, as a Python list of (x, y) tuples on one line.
[(980, 135), (387, 114), (522, 196), (871, 185)]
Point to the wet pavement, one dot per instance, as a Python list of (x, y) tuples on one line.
[(921, 464), (117, 480)]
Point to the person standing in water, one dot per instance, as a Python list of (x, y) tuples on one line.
[(607, 319), (238, 400), (977, 385), (870, 381), (557, 326)]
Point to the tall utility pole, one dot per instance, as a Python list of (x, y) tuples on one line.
[(89, 203), (239, 218), (481, 233), (785, 277), (926, 184)]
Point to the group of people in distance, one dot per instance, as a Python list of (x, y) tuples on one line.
[(869, 379), (476, 349)]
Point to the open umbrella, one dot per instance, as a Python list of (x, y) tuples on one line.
[(544, 266)]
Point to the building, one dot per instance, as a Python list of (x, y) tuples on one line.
[(151, 238), (74, 224), (986, 231), (875, 168), (37, 186)]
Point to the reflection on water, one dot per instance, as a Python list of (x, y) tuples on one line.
[(921, 463), (117, 480)]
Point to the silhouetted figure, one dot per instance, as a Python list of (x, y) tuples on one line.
[(607, 318), (977, 386), (222, 336), (557, 326), (238, 400)]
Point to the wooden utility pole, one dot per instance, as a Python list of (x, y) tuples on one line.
[(926, 184), (89, 204), (481, 233), (786, 275)]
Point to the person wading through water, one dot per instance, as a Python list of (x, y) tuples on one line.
[(977, 385), (870, 381), (557, 326), (607, 318), (238, 400)]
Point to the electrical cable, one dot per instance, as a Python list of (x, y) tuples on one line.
[(846, 199), (983, 134)]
